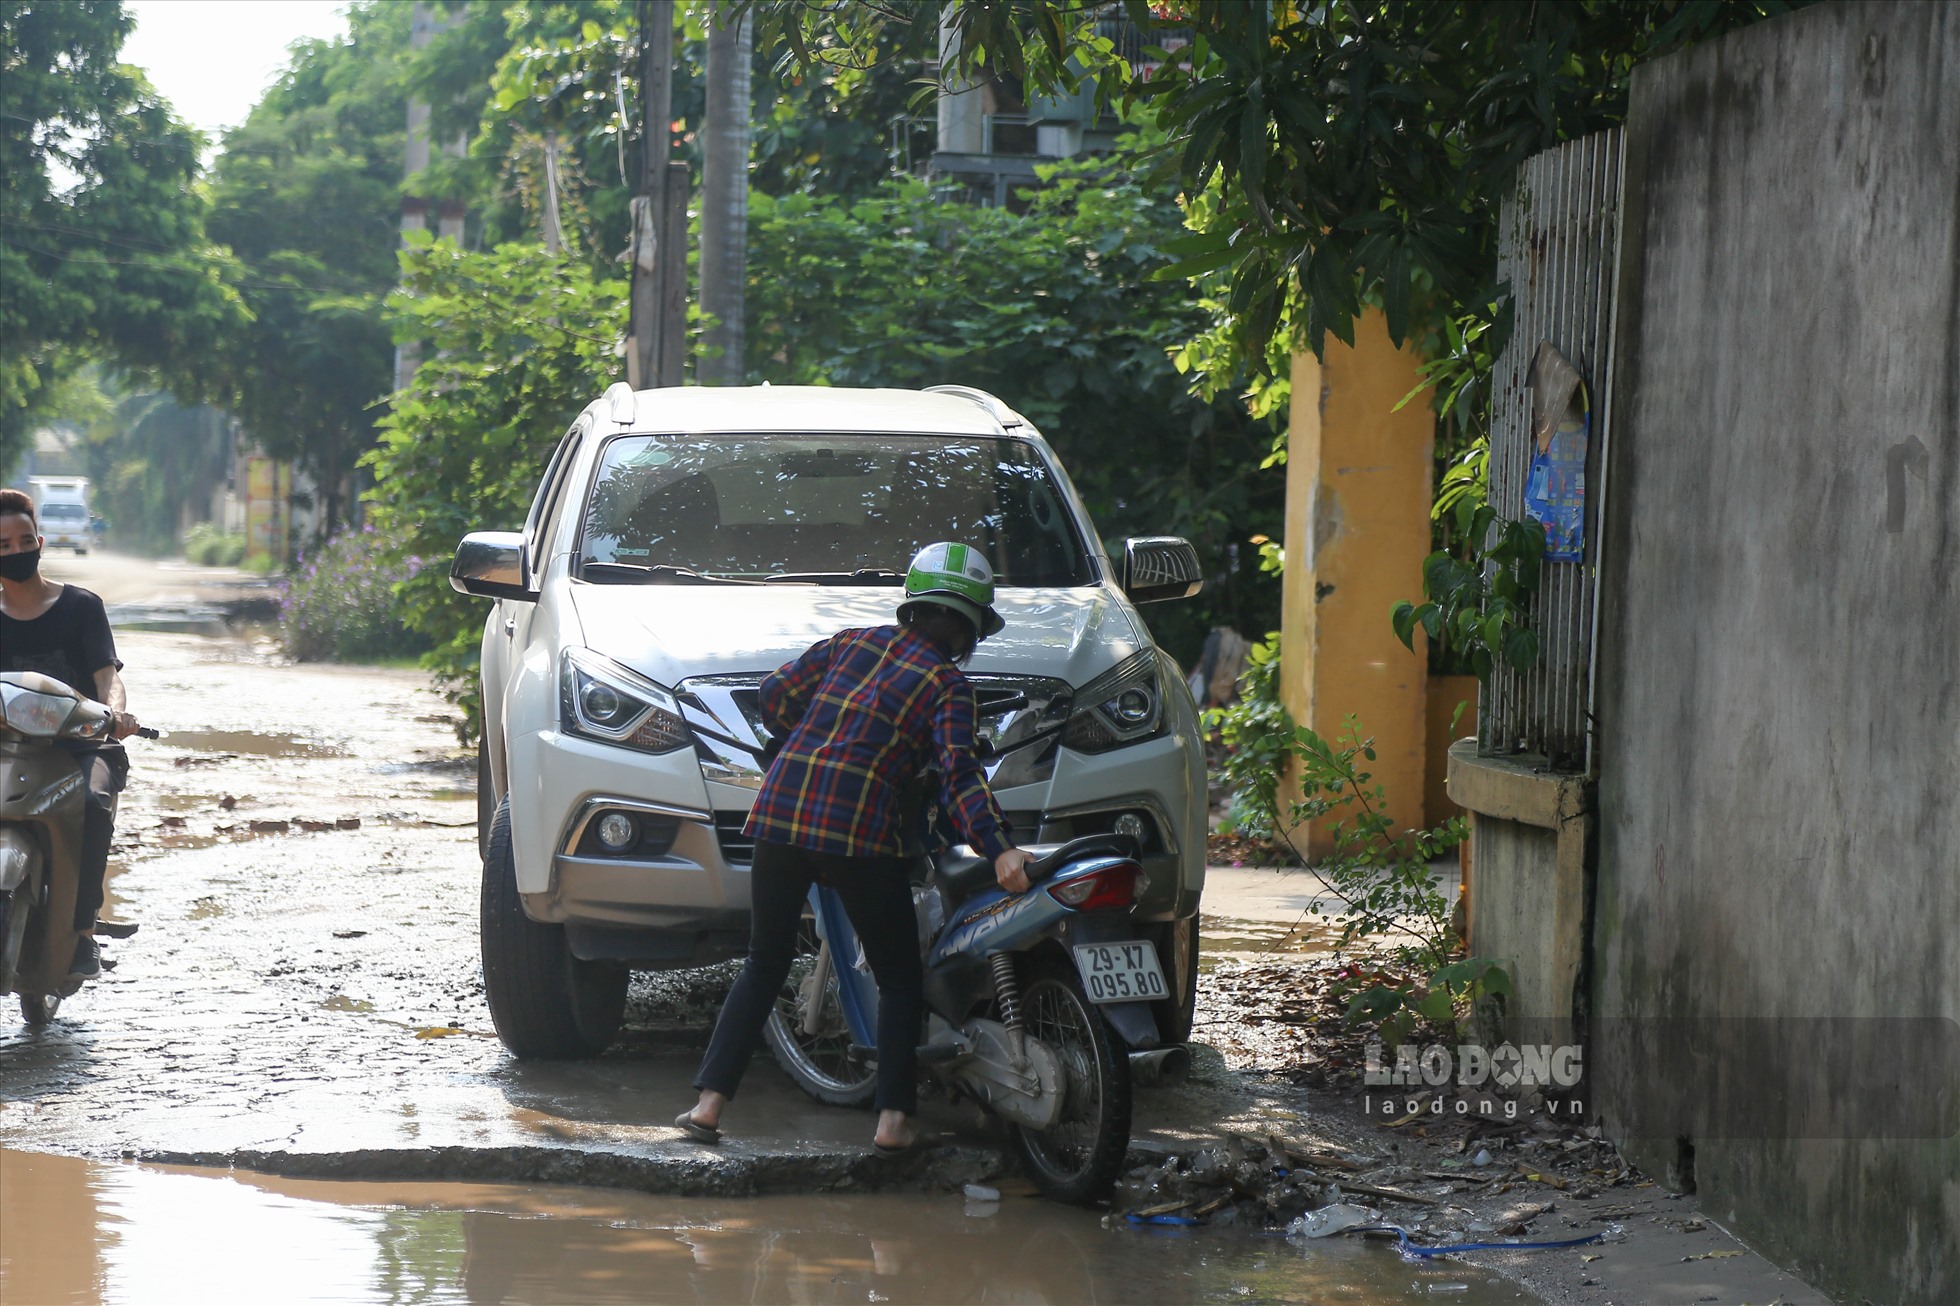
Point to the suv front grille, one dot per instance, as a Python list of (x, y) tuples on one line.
[(737, 849)]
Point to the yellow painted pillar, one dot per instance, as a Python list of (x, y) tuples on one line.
[(1357, 531)]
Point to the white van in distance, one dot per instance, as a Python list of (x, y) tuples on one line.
[(61, 505)]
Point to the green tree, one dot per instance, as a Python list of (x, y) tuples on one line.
[(520, 340), (102, 245), (1060, 311), (307, 195), (1353, 150)]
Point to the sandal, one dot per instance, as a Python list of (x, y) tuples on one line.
[(694, 1129)]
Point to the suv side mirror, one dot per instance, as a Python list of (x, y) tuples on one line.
[(1159, 567), (490, 565)]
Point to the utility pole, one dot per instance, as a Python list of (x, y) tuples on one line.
[(725, 197), (415, 209), (652, 358)]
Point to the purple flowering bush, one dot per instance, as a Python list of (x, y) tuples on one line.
[(341, 604)]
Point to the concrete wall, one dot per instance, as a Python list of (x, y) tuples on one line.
[(1780, 676), (1357, 530), (1527, 905)]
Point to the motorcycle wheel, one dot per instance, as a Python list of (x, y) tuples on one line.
[(826, 1064), (37, 1009), (1077, 1159), (546, 1003)]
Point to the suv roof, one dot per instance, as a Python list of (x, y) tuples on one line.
[(950, 410)]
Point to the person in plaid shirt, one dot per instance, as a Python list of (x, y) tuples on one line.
[(860, 714)]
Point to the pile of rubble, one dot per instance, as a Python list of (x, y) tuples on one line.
[(1482, 1181)]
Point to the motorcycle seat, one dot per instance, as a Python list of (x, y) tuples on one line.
[(963, 872), (1052, 858)]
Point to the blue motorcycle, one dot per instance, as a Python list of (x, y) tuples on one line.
[(1034, 1001)]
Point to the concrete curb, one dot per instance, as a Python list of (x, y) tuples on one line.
[(724, 1172)]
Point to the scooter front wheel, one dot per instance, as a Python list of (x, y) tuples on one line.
[(37, 1009), (1076, 1159), (808, 1033)]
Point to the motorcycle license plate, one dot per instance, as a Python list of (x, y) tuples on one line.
[(1121, 972)]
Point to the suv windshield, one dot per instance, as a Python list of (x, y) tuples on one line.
[(825, 508)]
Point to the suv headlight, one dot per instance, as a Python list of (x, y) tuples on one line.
[(1121, 706), (599, 699)]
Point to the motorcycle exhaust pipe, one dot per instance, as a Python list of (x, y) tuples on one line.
[(1157, 1066)]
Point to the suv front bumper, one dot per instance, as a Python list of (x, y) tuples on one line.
[(684, 900)]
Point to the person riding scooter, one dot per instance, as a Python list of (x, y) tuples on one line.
[(62, 631), (858, 714)]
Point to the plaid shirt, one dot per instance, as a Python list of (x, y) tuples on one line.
[(864, 710)]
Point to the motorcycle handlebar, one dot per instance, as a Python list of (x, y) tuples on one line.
[(144, 732)]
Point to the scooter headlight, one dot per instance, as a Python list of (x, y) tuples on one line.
[(599, 699), (31, 713)]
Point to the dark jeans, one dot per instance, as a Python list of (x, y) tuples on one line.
[(878, 899), (105, 771)]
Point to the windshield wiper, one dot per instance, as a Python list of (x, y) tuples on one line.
[(862, 576), (659, 573)]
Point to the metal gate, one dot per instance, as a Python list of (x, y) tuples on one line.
[(1558, 238)]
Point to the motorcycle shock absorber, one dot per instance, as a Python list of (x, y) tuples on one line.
[(1007, 989), (1007, 995)]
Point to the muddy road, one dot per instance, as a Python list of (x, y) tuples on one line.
[(304, 1000)]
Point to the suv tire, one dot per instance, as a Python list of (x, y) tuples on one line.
[(1179, 947), (546, 1003)]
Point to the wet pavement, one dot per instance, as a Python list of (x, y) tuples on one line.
[(116, 1233), (304, 999), (305, 992)]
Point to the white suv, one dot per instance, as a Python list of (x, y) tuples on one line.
[(686, 542)]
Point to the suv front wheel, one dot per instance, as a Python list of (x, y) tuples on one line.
[(545, 1002)]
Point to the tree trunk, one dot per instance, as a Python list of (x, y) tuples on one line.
[(725, 200), (649, 207)]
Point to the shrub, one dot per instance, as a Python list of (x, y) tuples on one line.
[(208, 546), (342, 605), (1257, 733)]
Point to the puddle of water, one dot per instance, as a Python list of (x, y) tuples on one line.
[(85, 1231), (1224, 937), (256, 743)]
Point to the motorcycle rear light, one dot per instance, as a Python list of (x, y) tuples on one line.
[(1111, 888)]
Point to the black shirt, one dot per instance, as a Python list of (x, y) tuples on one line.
[(71, 641)]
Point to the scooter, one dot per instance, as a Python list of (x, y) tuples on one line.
[(1033, 1003), (43, 797)]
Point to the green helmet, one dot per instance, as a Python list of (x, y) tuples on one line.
[(957, 577)]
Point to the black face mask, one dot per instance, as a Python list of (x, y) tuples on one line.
[(20, 566)]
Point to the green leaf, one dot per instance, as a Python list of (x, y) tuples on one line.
[(1521, 649), (1403, 618), (1374, 1004), (1436, 1006)]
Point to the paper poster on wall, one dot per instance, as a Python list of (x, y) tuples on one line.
[(269, 493), (1561, 428)]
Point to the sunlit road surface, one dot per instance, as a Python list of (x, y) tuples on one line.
[(304, 997), (125, 578), (79, 1231)]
